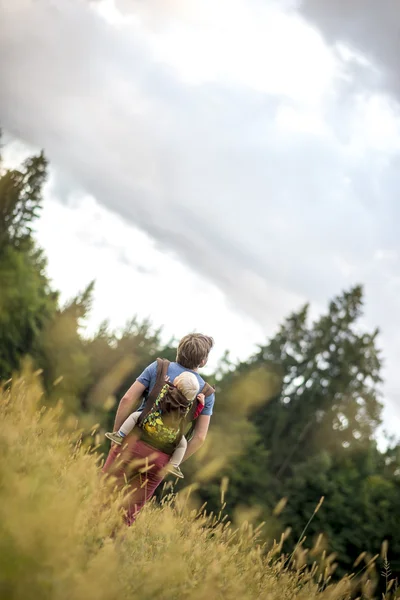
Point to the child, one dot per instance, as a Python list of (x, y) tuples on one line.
[(188, 385)]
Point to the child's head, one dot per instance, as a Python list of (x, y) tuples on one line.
[(193, 350), (187, 383)]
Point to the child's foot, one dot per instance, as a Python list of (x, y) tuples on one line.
[(175, 471), (115, 437)]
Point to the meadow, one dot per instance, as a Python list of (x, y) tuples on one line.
[(61, 535)]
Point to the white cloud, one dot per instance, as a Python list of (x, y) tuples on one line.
[(134, 278), (233, 44)]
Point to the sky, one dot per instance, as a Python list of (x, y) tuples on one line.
[(246, 149)]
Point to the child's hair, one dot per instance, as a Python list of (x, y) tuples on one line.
[(187, 383), (193, 350)]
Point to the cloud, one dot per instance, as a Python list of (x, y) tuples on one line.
[(264, 160), (369, 28), (141, 145)]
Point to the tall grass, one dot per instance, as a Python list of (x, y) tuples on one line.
[(61, 536)]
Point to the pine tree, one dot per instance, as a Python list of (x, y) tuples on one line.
[(330, 393), (21, 200), (26, 299)]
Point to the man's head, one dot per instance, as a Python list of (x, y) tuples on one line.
[(188, 384), (193, 350)]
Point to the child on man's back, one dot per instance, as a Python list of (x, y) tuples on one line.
[(188, 385)]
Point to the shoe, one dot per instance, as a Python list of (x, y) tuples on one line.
[(175, 471), (115, 437)]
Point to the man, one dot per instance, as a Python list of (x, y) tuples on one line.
[(192, 355)]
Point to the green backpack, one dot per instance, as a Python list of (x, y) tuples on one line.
[(167, 413)]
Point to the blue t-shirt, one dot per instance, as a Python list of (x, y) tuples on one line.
[(148, 379)]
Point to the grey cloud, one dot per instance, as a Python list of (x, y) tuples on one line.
[(366, 25), (145, 271), (269, 216)]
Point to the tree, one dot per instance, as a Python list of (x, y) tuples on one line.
[(21, 200), (115, 362), (65, 358), (359, 510), (315, 437), (330, 394), (27, 302)]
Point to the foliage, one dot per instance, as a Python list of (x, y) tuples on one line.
[(316, 436), (20, 200), (26, 301), (329, 396)]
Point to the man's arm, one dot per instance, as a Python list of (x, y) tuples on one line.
[(199, 436), (127, 403)]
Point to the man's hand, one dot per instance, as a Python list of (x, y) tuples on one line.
[(199, 436)]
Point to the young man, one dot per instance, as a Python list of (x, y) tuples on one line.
[(192, 355)]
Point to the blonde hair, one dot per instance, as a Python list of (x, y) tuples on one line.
[(188, 384), (193, 350)]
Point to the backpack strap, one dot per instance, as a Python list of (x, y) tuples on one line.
[(207, 390), (162, 369)]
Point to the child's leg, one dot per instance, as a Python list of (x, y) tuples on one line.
[(129, 424), (179, 452)]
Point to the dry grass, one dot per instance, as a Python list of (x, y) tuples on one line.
[(56, 521)]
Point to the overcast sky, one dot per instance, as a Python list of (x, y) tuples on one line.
[(249, 149)]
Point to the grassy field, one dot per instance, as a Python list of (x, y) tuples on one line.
[(57, 517)]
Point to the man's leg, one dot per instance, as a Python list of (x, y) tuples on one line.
[(112, 455), (121, 459), (145, 483), (148, 464)]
